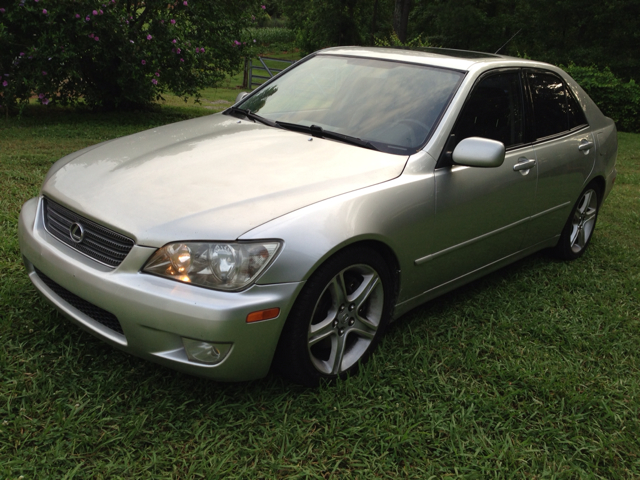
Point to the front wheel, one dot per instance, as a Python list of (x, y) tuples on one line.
[(338, 318), (578, 230)]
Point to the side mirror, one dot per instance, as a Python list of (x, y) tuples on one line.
[(240, 96), (479, 152)]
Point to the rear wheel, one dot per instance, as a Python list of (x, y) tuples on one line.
[(579, 228), (338, 318)]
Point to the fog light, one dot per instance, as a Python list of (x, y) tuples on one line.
[(205, 352)]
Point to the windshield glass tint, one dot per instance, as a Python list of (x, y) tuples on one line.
[(392, 105)]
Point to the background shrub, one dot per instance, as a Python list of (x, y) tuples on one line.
[(616, 98), (118, 54)]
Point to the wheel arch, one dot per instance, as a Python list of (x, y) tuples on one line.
[(600, 184)]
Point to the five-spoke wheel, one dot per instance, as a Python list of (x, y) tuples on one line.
[(338, 317), (579, 228)]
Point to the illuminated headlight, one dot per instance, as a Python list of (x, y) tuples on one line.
[(221, 266)]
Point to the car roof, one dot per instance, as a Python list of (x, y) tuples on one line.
[(440, 57)]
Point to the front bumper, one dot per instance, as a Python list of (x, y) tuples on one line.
[(155, 313)]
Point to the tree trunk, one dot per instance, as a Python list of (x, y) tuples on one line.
[(401, 18), (373, 23)]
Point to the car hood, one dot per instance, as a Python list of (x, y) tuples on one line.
[(210, 178)]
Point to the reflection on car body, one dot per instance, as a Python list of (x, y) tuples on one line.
[(289, 230)]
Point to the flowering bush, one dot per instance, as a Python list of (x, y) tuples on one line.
[(118, 53)]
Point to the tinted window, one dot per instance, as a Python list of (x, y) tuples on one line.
[(493, 110), (550, 107)]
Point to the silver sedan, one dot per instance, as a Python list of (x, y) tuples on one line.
[(289, 230)]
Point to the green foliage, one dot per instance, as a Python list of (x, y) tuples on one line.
[(327, 23), (393, 41), (558, 32), (616, 98), (273, 37), (121, 54)]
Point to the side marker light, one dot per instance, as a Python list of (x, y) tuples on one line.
[(267, 314)]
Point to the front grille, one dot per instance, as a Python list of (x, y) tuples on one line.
[(107, 319), (99, 243)]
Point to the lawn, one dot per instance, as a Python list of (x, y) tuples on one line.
[(531, 372)]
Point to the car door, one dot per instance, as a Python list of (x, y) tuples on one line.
[(564, 149), (481, 213)]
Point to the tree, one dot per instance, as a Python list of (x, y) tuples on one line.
[(118, 54), (401, 18), (327, 23)]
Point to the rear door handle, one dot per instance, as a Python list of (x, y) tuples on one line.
[(586, 145), (524, 164)]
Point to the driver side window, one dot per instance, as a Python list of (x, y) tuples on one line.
[(494, 110)]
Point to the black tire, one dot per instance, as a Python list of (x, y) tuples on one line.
[(338, 318), (578, 231)]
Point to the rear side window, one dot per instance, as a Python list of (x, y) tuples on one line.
[(576, 115), (494, 110), (555, 111)]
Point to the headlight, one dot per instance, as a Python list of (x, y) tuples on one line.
[(222, 266)]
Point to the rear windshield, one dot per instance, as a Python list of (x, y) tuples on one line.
[(395, 106)]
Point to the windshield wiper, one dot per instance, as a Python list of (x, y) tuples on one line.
[(317, 131), (252, 116)]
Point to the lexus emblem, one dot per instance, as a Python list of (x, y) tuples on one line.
[(76, 232)]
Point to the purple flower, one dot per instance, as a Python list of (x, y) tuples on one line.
[(184, 3), (263, 7), (2, 10), (202, 50), (100, 12), (96, 39), (41, 96), (5, 83), (182, 59), (144, 62), (45, 101), (236, 43), (77, 15), (149, 37), (154, 81), (44, 73), (87, 18), (36, 1), (131, 41), (157, 74), (22, 54), (173, 22), (254, 40), (44, 11), (173, 41), (95, 12), (178, 50), (91, 35)]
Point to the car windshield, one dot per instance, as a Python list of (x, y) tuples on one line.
[(393, 106)]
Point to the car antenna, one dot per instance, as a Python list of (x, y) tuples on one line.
[(505, 43)]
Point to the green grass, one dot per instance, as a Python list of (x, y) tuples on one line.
[(531, 372)]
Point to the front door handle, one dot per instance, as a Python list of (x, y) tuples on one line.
[(585, 145), (524, 164)]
